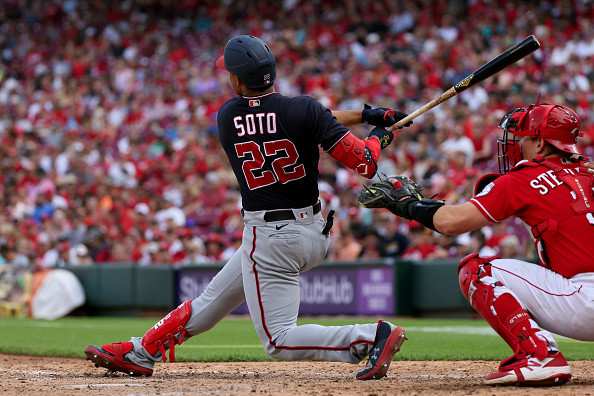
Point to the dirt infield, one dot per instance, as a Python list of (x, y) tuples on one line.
[(56, 376)]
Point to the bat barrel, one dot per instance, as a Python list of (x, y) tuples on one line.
[(505, 59)]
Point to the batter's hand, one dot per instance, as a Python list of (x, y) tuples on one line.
[(382, 116), (590, 166)]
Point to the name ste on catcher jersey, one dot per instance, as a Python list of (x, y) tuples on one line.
[(535, 194)]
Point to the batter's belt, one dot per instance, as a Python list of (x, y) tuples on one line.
[(287, 214)]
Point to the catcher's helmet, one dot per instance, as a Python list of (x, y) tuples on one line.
[(557, 124), (250, 59)]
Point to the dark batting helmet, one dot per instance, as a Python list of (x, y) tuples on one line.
[(250, 59), (557, 124)]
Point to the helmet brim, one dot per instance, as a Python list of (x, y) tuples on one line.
[(566, 147), (221, 63)]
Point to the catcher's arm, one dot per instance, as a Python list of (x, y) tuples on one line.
[(458, 219), (402, 196)]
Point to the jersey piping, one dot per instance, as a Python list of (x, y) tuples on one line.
[(338, 141), (537, 287), (259, 96), (484, 211)]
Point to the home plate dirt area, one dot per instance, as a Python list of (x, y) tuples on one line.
[(27, 375)]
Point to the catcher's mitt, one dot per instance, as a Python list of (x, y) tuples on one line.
[(394, 197)]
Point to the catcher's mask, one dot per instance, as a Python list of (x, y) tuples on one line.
[(557, 124)]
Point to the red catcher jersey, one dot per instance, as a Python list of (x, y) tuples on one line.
[(535, 194)]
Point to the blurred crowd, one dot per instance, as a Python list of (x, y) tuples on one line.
[(109, 148)]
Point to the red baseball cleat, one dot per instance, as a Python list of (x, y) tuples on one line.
[(388, 341), (527, 370), (112, 357)]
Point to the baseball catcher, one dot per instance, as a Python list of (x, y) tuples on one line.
[(543, 180)]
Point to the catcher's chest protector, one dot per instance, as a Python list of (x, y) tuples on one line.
[(580, 182)]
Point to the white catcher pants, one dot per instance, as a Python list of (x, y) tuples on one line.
[(558, 304)]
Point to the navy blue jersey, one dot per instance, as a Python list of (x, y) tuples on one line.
[(272, 144)]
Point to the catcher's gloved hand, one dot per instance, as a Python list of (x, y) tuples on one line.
[(392, 196), (401, 196), (382, 116), (385, 137)]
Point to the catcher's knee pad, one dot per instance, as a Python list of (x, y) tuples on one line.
[(470, 270), (168, 331)]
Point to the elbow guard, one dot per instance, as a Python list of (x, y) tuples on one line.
[(358, 155)]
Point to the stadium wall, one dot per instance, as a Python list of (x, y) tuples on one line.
[(367, 288)]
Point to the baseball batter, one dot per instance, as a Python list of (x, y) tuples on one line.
[(550, 189), (272, 144)]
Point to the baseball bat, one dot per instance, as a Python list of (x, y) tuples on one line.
[(494, 66)]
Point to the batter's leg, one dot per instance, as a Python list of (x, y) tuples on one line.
[(271, 284), (223, 294)]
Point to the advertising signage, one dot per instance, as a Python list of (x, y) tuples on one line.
[(363, 290)]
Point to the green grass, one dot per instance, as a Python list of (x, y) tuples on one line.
[(235, 339)]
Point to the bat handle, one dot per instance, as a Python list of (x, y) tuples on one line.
[(401, 122), (442, 98)]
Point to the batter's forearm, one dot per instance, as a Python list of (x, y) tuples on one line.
[(348, 117)]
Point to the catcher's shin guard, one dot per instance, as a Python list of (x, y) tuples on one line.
[(504, 313), (168, 331)]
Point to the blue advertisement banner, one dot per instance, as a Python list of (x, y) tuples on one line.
[(328, 292), (324, 291), (375, 291)]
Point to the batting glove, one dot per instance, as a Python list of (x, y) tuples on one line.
[(384, 136), (382, 116)]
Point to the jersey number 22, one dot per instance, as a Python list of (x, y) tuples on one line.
[(283, 167)]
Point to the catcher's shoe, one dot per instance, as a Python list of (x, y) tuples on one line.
[(530, 371), (388, 341), (113, 357)]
